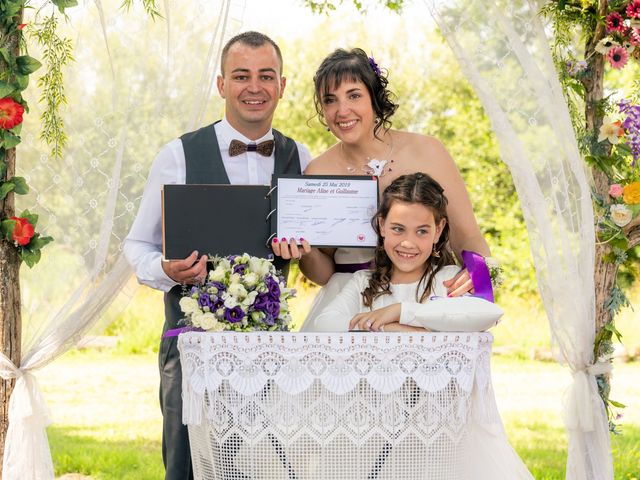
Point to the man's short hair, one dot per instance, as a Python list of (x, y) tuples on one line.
[(252, 39)]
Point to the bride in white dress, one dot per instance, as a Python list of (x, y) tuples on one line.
[(353, 101)]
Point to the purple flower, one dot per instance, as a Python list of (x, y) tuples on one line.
[(239, 268), (269, 320), (218, 285), (632, 126), (233, 315), (204, 300), (261, 301), (374, 67), (273, 309), (273, 287)]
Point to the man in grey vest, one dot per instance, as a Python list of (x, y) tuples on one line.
[(242, 148)]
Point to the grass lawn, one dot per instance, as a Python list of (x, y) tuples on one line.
[(107, 422)]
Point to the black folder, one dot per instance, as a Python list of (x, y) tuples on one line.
[(215, 220)]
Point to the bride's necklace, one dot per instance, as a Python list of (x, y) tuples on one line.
[(373, 166)]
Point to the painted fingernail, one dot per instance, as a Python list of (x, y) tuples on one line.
[(301, 239), (283, 239), (275, 240)]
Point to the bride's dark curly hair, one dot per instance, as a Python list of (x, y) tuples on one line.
[(417, 188), (355, 65)]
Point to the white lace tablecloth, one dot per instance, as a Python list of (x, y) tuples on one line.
[(341, 406)]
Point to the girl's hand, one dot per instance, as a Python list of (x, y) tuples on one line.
[(376, 320), (459, 285), (291, 249)]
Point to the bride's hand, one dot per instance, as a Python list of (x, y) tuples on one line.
[(376, 320), (459, 285), (291, 249)]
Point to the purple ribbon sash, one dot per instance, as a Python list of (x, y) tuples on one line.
[(177, 331), (479, 273)]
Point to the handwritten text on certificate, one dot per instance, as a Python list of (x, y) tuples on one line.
[(327, 211)]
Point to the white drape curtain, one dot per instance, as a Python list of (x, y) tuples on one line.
[(505, 54), (135, 84)]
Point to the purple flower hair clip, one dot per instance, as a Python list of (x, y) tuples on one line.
[(374, 66)]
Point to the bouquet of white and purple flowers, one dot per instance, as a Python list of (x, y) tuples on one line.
[(241, 293)]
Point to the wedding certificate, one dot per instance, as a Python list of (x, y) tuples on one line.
[(327, 211)]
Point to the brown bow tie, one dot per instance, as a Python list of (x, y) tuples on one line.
[(263, 148)]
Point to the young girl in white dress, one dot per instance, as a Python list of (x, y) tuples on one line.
[(411, 260)]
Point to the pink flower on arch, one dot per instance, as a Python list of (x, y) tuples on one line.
[(618, 56), (633, 9), (615, 190), (615, 23)]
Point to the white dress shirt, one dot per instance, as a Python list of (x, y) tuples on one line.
[(143, 245), (335, 317)]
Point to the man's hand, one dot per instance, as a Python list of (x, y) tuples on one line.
[(459, 285), (188, 271), (291, 249)]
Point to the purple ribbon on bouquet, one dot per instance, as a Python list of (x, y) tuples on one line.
[(479, 273), (177, 331)]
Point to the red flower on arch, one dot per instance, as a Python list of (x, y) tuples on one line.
[(23, 231), (10, 113)]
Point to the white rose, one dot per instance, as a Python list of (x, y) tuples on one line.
[(259, 266), (251, 279), (250, 298), (237, 290), (234, 278), (189, 305), (224, 264), (620, 215), (230, 301), (217, 275), (207, 321), (195, 319)]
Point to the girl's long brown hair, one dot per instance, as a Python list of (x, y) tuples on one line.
[(415, 188)]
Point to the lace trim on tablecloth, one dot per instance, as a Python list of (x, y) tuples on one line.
[(340, 362)]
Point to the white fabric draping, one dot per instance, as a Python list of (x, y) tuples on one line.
[(505, 54), (135, 83)]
